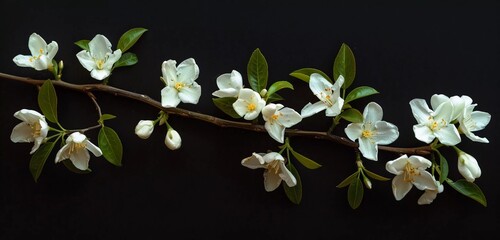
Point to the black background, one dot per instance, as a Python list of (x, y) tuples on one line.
[(201, 190)]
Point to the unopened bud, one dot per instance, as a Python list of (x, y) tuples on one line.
[(367, 182), (144, 128), (263, 92), (173, 139)]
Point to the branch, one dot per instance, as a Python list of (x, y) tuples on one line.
[(89, 88)]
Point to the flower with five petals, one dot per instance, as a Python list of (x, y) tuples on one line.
[(278, 118), (275, 172), (328, 94), (249, 104), (34, 128), (99, 59), (77, 150), (41, 54), (180, 83), (229, 85)]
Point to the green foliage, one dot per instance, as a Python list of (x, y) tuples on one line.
[(274, 97), (304, 74), (346, 182), (294, 193), (443, 167), (83, 44), (345, 65), (375, 176), (360, 92), (278, 86), (39, 158), (352, 115), (468, 189), (257, 71), (307, 162), (110, 145), (47, 101), (127, 59), (355, 193), (226, 105), (129, 38), (105, 117)]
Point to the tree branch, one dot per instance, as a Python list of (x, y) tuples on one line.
[(89, 88)]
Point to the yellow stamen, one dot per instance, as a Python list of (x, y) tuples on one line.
[(274, 166), (36, 129), (100, 64), (41, 50), (179, 86), (367, 134), (410, 172), (251, 107), (275, 116), (76, 146)]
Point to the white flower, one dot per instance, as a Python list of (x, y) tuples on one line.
[(173, 140), (278, 118), (249, 104), (180, 83), (144, 128), (430, 194), (372, 131), (34, 128), (275, 171), (41, 54), (457, 102), (76, 149), (328, 94), (468, 166), (472, 121), (434, 124), (410, 171), (100, 58), (229, 85)]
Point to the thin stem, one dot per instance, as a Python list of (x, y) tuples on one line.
[(83, 129), (85, 88), (93, 98)]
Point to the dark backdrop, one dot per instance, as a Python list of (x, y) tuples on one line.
[(201, 190)]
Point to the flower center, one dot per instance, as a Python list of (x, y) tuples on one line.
[(275, 116), (76, 146), (436, 125), (100, 64), (367, 134), (178, 86), (328, 100), (251, 107), (36, 129), (274, 166), (410, 172)]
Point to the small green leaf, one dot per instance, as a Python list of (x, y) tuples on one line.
[(294, 193), (443, 166), (346, 106), (83, 44), (273, 98), (375, 176), (47, 101), (129, 38), (304, 74), (39, 158), (257, 71), (69, 165), (278, 86), (226, 105), (469, 189), (111, 145), (348, 180), (127, 59), (352, 115), (345, 65), (308, 163), (106, 116), (355, 193), (360, 92)]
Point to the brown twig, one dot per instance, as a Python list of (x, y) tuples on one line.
[(89, 88)]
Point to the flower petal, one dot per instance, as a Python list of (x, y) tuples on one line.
[(62, 154), (438, 99), (427, 197), (354, 131), (424, 180), (271, 180), (311, 109), (38, 141), (268, 111), (372, 113), (169, 97), (100, 74), (420, 110), (99, 46), (80, 158), (400, 187), (240, 106), (338, 83), (227, 92), (52, 49), (253, 162), (23, 60), (423, 133), (288, 117), (93, 148), (444, 111), (397, 166), (448, 135), (368, 148), (287, 176), (272, 156), (36, 44), (187, 71), (86, 60), (29, 116), (112, 58), (481, 119), (190, 94), (336, 108), (385, 133), (22, 132), (474, 137), (169, 72), (276, 131), (319, 85)]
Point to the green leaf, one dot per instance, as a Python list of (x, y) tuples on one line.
[(348, 180), (47, 101), (360, 92), (83, 44), (39, 158), (304, 74), (129, 38), (257, 71), (273, 98), (346, 106), (308, 163), (278, 86), (69, 165), (110, 145), (355, 193), (468, 189), (443, 166), (345, 65), (294, 193), (375, 176), (226, 105), (352, 115), (105, 117), (127, 59)]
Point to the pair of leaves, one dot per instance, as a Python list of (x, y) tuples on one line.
[(355, 191)]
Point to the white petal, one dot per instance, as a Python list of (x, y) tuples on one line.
[(190, 94), (248, 94), (100, 74), (420, 110), (372, 113), (368, 148), (481, 119), (458, 106), (240, 106), (268, 111), (80, 158), (289, 117), (187, 71), (474, 137), (112, 58), (437, 99), (311, 109), (227, 92), (93, 148), (419, 162), (99, 46), (86, 60), (448, 135), (336, 108), (169, 71), (424, 180), (41, 63), (35, 43), (77, 137), (29, 116), (253, 162), (287, 176), (52, 49), (318, 84), (38, 141), (276, 131), (272, 156), (271, 180), (427, 197), (385, 133), (338, 83), (169, 97), (444, 111), (423, 133), (236, 80), (354, 131), (22, 132), (23, 60), (400, 187), (397, 166), (62, 154), (251, 115)]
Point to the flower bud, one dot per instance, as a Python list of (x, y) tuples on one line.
[(144, 128), (367, 182), (173, 139), (263, 92), (468, 166)]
